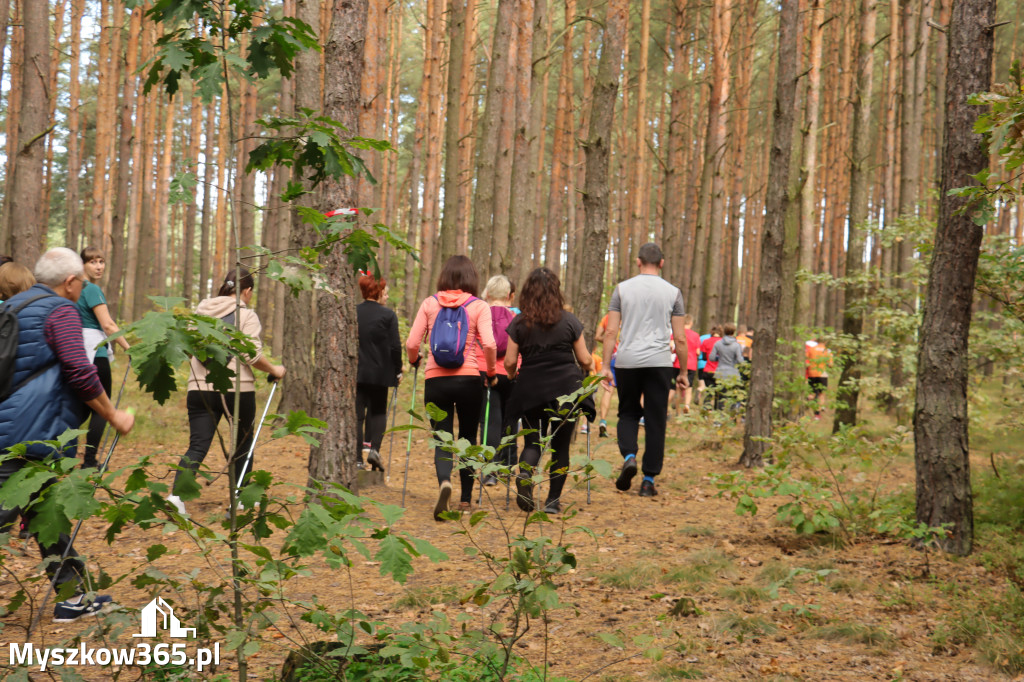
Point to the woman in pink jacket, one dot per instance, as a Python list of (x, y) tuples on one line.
[(456, 390)]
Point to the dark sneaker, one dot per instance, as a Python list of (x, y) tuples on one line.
[(373, 459), (66, 612), (602, 429), (552, 507), (444, 494), (647, 489), (524, 493), (625, 479), (490, 480)]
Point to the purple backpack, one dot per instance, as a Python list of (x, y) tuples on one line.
[(500, 319)]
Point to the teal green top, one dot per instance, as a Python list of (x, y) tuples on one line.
[(91, 297)]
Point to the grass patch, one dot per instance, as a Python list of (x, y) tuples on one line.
[(425, 597), (773, 572), (846, 585), (744, 594), (854, 633), (697, 531), (702, 567), (744, 625), (672, 672), (633, 576)]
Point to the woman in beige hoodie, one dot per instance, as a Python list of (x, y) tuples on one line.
[(206, 405)]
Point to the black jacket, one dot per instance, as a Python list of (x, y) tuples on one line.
[(380, 349)]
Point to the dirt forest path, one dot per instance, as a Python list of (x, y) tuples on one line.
[(869, 616)]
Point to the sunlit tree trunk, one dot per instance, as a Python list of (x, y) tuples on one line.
[(563, 152), (58, 51), (498, 82), (704, 280), (71, 198), (853, 314), (802, 314), (457, 48), (514, 257), (125, 145), (27, 230)]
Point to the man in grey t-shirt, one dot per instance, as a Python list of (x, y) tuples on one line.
[(647, 309)]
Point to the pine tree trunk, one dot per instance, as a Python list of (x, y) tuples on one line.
[(129, 301), (435, 136), (675, 169), (71, 232), (758, 427), (27, 230), (163, 178), (597, 147), (638, 207), (853, 314), (58, 51), (535, 133), (13, 108), (206, 223), (802, 314), (458, 47), (559, 203), (941, 447), (514, 257), (300, 312), (189, 236), (336, 346), (494, 103), (125, 144)]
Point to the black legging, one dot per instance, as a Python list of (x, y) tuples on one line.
[(371, 409), (541, 419), (496, 426), (205, 408), (96, 424), (455, 395)]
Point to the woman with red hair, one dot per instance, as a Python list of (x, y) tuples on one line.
[(380, 365)]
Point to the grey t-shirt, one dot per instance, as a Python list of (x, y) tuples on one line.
[(647, 304)]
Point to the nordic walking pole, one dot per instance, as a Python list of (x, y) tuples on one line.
[(589, 474), (487, 422), (117, 404), (255, 439), (408, 440), (71, 540), (391, 446)]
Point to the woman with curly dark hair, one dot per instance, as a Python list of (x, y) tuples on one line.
[(555, 357)]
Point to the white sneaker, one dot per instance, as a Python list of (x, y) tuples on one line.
[(178, 504)]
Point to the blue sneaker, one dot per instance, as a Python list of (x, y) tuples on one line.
[(68, 612)]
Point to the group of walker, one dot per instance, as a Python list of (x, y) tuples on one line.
[(513, 365)]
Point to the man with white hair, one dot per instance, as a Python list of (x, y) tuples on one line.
[(52, 385)]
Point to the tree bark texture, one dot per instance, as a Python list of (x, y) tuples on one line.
[(27, 230), (457, 47), (769, 291), (337, 348), (596, 148), (299, 312), (941, 448), (860, 151)]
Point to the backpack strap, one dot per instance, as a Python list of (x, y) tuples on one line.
[(7, 306)]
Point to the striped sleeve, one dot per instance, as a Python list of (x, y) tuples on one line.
[(63, 332)]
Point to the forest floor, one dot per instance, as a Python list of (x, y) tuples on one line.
[(768, 604)]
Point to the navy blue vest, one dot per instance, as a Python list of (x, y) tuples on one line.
[(46, 406)]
